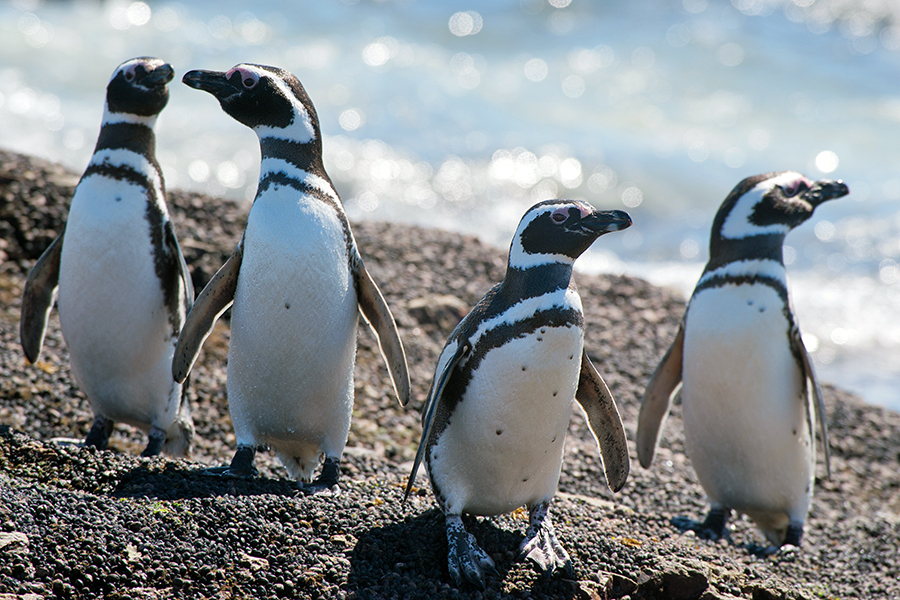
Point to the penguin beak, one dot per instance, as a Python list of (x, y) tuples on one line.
[(604, 221), (825, 190), (161, 75), (213, 82)]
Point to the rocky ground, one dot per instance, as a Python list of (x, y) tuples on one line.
[(77, 523)]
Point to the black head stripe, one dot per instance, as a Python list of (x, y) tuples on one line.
[(130, 97), (778, 210), (544, 236), (265, 104), (739, 190)]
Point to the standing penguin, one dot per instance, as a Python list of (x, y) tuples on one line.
[(749, 392), (297, 283), (122, 283), (495, 420)]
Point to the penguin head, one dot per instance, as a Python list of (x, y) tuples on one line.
[(559, 231), (269, 100), (771, 205), (137, 89)]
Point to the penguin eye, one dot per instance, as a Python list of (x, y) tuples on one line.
[(129, 74), (559, 215), (249, 79), (795, 188)]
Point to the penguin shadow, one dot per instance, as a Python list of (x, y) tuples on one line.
[(174, 481), (411, 555)]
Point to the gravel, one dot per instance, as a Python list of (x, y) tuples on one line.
[(79, 523)]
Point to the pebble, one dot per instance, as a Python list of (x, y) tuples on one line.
[(76, 522)]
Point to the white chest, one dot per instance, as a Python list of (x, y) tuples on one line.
[(107, 271), (293, 343), (745, 414), (504, 444)]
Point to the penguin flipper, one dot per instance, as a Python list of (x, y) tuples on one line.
[(38, 297), (605, 423), (377, 314), (657, 399), (174, 250), (814, 394), (447, 364), (215, 299)]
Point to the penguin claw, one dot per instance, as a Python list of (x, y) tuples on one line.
[(714, 527), (542, 547), (326, 481), (784, 551), (317, 488), (241, 466), (229, 473), (466, 561), (700, 528)]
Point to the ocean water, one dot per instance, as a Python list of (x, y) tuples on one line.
[(462, 114)]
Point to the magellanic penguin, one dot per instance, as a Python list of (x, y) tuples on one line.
[(749, 393), (123, 287), (494, 423), (297, 283)]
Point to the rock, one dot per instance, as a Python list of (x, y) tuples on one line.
[(76, 522)]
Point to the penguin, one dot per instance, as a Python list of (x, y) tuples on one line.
[(122, 283), (297, 284), (749, 392), (495, 419)]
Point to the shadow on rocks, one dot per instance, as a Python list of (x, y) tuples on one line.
[(173, 482), (411, 555)]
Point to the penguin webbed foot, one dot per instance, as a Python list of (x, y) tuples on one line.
[(155, 441), (98, 436), (789, 547), (326, 481), (466, 561), (541, 545), (714, 527), (241, 466), (783, 551)]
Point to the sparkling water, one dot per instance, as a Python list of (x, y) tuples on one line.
[(463, 114)]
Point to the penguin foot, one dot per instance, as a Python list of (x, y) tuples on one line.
[(541, 544), (466, 561), (783, 551), (241, 466), (789, 547), (326, 481), (98, 436), (714, 527), (157, 437), (794, 535)]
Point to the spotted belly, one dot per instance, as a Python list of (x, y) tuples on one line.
[(503, 445), (293, 341), (112, 309), (745, 412)]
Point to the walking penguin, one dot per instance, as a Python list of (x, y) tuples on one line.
[(297, 283), (495, 420), (749, 392), (123, 287)]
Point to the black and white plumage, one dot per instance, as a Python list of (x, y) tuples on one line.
[(749, 391), (495, 420), (123, 287), (297, 283)]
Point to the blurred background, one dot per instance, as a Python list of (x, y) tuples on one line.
[(462, 114)]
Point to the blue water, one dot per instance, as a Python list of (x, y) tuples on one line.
[(462, 114)]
